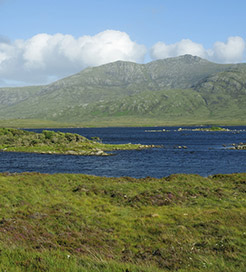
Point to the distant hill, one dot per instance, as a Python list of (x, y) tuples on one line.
[(182, 88)]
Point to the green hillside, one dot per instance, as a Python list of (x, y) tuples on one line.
[(182, 89), (225, 93), (165, 105), (12, 96)]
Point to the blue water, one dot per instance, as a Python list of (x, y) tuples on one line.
[(205, 154)]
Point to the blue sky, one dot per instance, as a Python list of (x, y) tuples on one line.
[(41, 40)]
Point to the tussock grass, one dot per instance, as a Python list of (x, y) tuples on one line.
[(75, 222)]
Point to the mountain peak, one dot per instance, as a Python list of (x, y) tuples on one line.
[(184, 59), (191, 58), (126, 88)]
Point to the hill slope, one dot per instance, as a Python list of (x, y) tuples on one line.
[(185, 87)]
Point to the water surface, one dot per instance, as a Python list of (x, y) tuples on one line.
[(205, 154)]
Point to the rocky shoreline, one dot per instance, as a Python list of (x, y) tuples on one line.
[(209, 129), (240, 146)]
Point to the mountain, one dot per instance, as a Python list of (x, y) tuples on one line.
[(182, 88)]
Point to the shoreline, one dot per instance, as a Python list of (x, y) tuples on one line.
[(136, 122), (7, 173), (51, 142)]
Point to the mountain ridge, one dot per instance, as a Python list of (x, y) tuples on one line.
[(129, 89)]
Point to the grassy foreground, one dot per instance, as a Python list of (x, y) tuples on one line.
[(75, 222), (51, 142)]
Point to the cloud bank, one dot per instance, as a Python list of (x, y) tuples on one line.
[(44, 58), (230, 52)]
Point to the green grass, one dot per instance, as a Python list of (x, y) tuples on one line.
[(48, 141), (121, 121), (74, 222), (31, 123), (211, 129), (214, 128)]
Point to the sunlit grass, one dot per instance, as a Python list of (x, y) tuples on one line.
[(74, 222), (121, 121), (48, 141)]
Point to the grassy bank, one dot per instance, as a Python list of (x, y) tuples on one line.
[(72, 222), (51, 142), (121, 121), (32, 123)]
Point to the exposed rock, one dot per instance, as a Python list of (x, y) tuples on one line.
[(240, 146)]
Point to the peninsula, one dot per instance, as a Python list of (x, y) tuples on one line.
[(51, 142)]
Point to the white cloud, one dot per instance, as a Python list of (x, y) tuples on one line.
[(161, 50), (44, 56), (230, 52)]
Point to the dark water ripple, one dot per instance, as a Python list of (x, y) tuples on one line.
[(205, 154)]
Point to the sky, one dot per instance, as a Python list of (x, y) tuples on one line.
[(44, 40)]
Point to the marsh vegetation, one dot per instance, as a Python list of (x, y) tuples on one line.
[(75, 222)]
